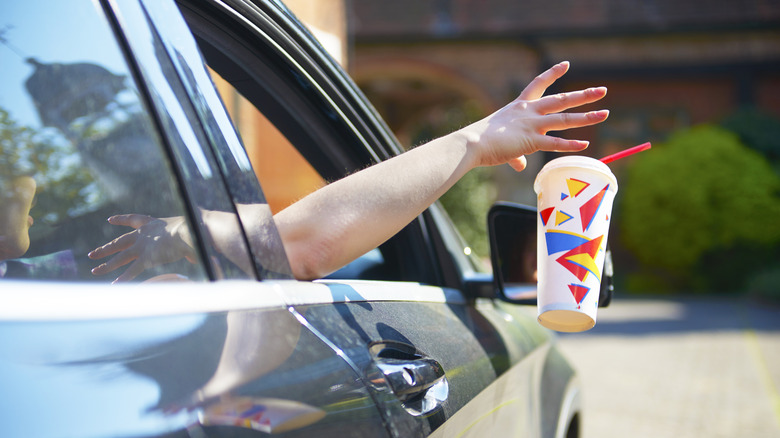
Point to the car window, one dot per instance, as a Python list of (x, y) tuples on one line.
[(296, 140), (284, 173), (184, 93), (77, 149)]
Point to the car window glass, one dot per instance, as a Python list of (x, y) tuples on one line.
[(286, 176), (235, 188), (295, 138), (76, 137)]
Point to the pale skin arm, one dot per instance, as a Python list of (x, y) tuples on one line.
[(340, 222)]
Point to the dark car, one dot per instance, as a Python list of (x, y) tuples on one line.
[(107, 108)]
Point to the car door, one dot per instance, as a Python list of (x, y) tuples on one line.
[(99, 114), (428, 349)]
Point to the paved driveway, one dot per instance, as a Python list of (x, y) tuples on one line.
[(680, 368)]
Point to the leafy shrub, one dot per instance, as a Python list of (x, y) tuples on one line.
[(467, 203), (695, 198)]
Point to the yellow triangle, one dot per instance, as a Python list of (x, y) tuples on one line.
[(587, 262), (561, 217), (576, 186)]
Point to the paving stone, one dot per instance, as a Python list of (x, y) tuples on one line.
[(680, 368)]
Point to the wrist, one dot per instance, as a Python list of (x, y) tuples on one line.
[(466, 141)]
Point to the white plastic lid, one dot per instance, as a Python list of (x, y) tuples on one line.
[(577, 161)]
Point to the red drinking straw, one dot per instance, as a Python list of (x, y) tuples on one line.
[(625, 153)]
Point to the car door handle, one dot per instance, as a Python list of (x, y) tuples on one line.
[(409, 378)]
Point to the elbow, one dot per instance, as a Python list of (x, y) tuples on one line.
[(310, 262)]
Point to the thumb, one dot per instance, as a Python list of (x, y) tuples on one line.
[(518, 163)]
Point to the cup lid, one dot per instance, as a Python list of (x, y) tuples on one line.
[(577, 161)]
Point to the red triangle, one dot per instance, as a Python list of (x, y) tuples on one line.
[(579, 292), (590, 247), (591, 207), (546, 213)]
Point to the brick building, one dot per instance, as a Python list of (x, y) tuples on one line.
[(667, 63)]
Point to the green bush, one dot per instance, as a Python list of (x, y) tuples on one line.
[(696, 206), (467, 203)]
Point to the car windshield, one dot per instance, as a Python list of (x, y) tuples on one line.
[(77, 147)]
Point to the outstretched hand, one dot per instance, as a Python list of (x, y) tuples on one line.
[(368, 207), (520, 128), (154, 242)]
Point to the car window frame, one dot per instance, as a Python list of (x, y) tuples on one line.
[(262, 47), (260, 235), (131, 43)]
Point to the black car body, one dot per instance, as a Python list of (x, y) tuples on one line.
[(108, 106)]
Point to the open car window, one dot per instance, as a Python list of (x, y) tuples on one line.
[(295, 136)]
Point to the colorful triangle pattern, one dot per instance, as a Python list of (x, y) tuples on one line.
[(591, 207), (561, 217), (581, 260), (576, 186), (558, 241), (579, 292), (545, 215)]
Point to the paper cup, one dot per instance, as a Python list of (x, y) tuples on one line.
[(575, 197)]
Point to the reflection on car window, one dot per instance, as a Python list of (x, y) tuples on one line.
[(284, 173), (77, 148), (293, 143)]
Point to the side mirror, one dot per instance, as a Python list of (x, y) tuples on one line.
[(512, 234)]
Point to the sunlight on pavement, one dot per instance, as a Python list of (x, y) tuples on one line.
[(681, 368)]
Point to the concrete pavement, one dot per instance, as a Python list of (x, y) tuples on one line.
[(690, 367)]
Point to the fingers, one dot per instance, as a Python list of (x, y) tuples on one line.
[(121, 243), (130, 220), (518, 163), (563, 101), (557, 144), (540, 84), (115, 262), (133, 271), (124, 241), (561, 121)]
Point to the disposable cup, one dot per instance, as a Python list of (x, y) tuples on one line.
[(574, 195)]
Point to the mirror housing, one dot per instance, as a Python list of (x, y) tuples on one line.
[(512, 234)]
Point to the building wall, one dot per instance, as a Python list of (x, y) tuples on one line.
[(673, 65), (327, 20), (283, 173)]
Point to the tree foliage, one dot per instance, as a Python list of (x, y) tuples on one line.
[(469, 200), (695, 203), (49, 158)]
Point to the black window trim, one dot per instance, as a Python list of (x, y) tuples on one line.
[(200, 233), (252, 49), (146, 99)]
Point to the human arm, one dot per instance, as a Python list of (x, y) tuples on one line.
[(338, 223), (343, 220)]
